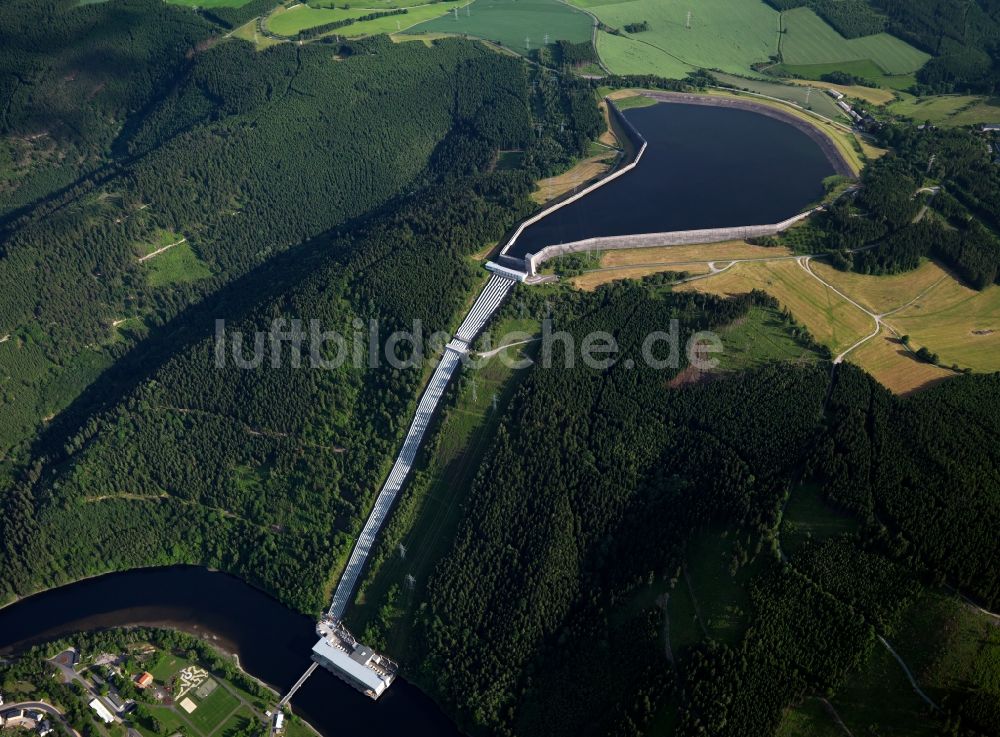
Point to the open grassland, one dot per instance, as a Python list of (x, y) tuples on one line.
[(863, 68), (582, 173), (726, 251), (808, 516), (882, 294), (288, 22), (214, 710), (960, 324), (808, 39), (720, 595), (178, 265), (897, 368), (831, 319), (965, 655), (762, 337), (212, 3), (878, 699), (949, 110), (874, 95), (160, 238), (248, 32), (520, 25), (628, 56), (724, 34), (811, 718), (591, 280), (635, 263), (820, 103)]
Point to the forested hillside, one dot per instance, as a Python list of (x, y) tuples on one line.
[(881, 229), (167, 458), (962, 36), (217, 155), (603, 489)]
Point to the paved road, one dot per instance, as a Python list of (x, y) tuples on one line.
[(47, 708)]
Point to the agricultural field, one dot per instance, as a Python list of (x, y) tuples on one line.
[(625, 56), (949, 111), (730, 35), (520, 25), (809, 40), (288, 22)]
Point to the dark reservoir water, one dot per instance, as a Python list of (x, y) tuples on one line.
[(272, 641), (705, 167)]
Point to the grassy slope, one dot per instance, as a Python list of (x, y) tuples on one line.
[(830, 318), (291, 21), (956, 322), (724, 34), (512, 21), (435, 508), (816, 101), (810, 40), (949, 110)]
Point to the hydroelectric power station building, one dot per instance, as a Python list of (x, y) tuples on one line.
[(356, 664)]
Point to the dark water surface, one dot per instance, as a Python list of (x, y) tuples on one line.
[(705, 167), (272, 641)]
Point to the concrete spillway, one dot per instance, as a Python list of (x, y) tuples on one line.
[(482, 310)]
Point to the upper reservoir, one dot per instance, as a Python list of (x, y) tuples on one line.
[(705, 167)]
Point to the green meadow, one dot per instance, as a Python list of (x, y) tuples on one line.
[(517, 24), (808, 39)]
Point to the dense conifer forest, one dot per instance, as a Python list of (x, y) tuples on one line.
[(156, 176), (539, 620), (381, 165)]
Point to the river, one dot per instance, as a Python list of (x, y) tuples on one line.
[(704, 167), (272, 641)]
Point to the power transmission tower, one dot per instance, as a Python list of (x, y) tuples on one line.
[(808, 93), (456, 14), (475, 395), (688, 24), (494, 401), (410, 581), (402, 551), (527, 43), (546, 39)]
